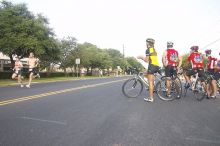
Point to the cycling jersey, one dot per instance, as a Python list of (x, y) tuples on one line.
[(196, 60), (172, 57), (211, 62), (153, 60)]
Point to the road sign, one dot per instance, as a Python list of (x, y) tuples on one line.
[(77, 60)]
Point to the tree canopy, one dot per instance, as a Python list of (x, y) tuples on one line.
[(22, 32)]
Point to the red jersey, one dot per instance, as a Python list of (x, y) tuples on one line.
[(211, 62), (172, 57), (196, 60)]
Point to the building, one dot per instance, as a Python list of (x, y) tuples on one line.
[(5, 62)]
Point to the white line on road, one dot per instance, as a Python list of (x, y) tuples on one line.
[(43, 120), (203, 140)]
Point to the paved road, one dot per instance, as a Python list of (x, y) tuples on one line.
[(95, 113)]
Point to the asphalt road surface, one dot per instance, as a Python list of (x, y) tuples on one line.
[(94, 112)]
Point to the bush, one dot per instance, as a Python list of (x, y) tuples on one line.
[(5, 75)]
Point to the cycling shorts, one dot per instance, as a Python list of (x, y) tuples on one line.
[(216, 76), (152, 69), (200, 72), (211, 71), (170, 71)]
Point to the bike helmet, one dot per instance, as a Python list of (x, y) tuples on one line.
[(150, 41), (194, 48), (169, 44), (208, 52)]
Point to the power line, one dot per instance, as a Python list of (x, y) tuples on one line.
[(208, 29), (211, 43)]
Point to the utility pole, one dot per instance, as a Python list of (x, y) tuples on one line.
[(123, 51), (124, 58)]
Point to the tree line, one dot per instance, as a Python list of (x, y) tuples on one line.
[(22, 32)]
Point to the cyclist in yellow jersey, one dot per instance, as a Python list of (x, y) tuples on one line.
[(153, 67)]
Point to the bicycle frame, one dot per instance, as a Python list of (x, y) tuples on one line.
[(194, 80), (141, 78)]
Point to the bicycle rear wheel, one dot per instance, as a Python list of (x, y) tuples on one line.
[(178, 87), (185, 90), (162, 90), (218, 85), (199, 91), (132, 88)]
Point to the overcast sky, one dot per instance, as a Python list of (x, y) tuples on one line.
[(112, 23)]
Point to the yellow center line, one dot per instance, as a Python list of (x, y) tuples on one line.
[(20, 99)]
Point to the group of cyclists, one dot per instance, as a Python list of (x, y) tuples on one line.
[(32, 63), (172, 63)]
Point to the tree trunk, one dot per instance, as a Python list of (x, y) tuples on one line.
[(64, 69), (48, 71), (108, 72), (91, 71), (87, 71), (12, 61), (72, 71)]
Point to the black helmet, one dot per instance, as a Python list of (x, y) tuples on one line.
[(208, 52), (169, 44), (194, 48), (150, 41)]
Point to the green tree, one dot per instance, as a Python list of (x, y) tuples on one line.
[(22, 32), (67, 45), (51, 56), (85, 52), (116, 57), (132, 62)]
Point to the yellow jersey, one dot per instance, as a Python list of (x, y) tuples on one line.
[(152, 54)]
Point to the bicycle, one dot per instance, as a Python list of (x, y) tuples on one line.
[(197, 87), (133, 87), (218, 85), (175, 89)]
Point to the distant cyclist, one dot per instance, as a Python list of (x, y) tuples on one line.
[(196, 59), (17, 71), (32, 65), (172, 63), (153, 67), (211, 70)]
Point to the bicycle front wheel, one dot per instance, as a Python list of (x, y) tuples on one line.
[(178, 87), (132, 88), (199, 91)]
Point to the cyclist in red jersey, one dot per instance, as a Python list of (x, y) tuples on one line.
[(210, 68), (172, 62), (217, 70), (211, 61), (197, 61)]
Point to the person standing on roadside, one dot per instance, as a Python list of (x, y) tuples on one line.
[(153, 67)]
